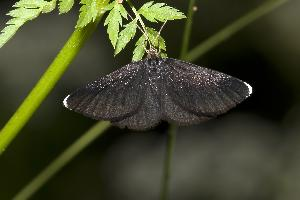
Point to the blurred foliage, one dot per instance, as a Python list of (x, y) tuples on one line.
[(250, 153)]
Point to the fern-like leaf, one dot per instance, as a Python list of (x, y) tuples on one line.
[(114, 21), (139, 50), (25, 10), (126, 35), (65, 6), (160, 12), (155, 40), (89, 11)]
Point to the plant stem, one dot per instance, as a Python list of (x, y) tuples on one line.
[(165, 187), (233, 28), (139, 18), (195, 55), (62, 160), (187, 29), (171, 139), (45, 84)]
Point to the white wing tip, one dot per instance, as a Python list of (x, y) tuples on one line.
[(65, 101), (249, 88)]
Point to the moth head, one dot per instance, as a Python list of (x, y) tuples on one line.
[(154, 49), (152, 52)]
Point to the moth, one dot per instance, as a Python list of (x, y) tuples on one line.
[(141, 94)]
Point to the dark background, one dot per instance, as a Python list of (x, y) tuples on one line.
[(251, 153)]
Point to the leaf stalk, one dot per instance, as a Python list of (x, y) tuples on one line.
[(45, 84)]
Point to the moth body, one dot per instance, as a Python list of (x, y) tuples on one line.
[(141, 94)]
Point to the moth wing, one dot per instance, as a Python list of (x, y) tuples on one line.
[(112, 97), (175, 113), (203, 92), (148, 114)]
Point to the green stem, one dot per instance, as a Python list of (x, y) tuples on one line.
[(39, 184), (137, 15), (45, 85), (165, 187), (233, 28), (62, 160), (187, 29)]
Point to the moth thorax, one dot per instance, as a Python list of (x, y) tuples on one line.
[(152, 53), (153, 62)]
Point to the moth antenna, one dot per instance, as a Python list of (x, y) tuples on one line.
[(161, 28), (157, 37), (137, 24), (141, 29), (145, 48), (158, 46), (145, 34)]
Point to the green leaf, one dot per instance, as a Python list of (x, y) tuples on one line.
[(48, 6), (126, 35), (25, 10), (155, 41), (114, 21), (90, 10), (122, 10), (65, 6), (139, 50), (160, 12), (109, 6)]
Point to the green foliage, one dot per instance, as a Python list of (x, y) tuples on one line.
[(155, 40), (65, 6), (126, 35), (160, 12), (56, 70), (119, 35), (114, 21), (153, 12), (139, 50), (89, 11), (25, 10)]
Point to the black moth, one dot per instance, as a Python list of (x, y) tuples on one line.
[(141, 94)]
